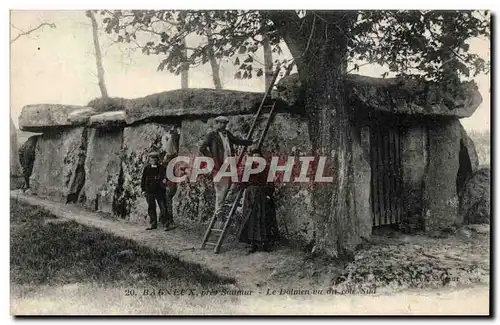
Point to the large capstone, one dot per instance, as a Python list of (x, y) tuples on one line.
[(191, 103), (58, 171), (392, 95), (412, 97), (81, 116), (49, 117), (108, 120)]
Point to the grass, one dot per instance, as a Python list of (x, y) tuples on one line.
[(111, 104), (16, 182), (46, 251), (60, 267)]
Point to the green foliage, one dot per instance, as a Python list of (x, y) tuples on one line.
[(409, 42), (421, 42)]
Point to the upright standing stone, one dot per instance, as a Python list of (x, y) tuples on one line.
[(58, 172), (138, 142), (102, 169), (440, 192)]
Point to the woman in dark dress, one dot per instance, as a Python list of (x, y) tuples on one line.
[(258, 226)]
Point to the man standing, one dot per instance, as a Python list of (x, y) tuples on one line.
[(219, 145), (153, 187), (27, 158)]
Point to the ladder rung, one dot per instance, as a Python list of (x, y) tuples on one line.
[(237, 202)]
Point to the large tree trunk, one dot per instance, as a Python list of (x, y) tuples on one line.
[(98, 55), (15, 166), (331, 137), (320, 54), (213, 61), (268, 60)]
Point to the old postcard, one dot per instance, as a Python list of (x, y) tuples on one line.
[(250, 162)]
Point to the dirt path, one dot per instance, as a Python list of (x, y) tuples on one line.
[(79, 299), (248, 270), (282, 268)]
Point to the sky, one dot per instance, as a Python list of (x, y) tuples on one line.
[(57, 66)]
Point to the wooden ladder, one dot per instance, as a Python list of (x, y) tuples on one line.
[(219, 233)]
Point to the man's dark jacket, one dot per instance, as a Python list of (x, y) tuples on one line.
[(213, 147), (153, 179)]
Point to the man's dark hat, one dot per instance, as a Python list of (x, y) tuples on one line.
[(154, 155)]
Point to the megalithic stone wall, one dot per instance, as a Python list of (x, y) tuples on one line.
[(95, 159)]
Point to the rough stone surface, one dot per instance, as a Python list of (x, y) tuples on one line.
[(294, 212), (412, 97), (440, 193), (393, 95), (195, 201), (58, 168), (114, 119), (138, 142), (475, 200), (43, 117), (81, 116), (102, 169), (469, 161), (413, 164), (289, 90), (190, 103)]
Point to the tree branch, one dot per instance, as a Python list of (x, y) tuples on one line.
[(288, 25), (311, 34), (30, 31), (356, 66)]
